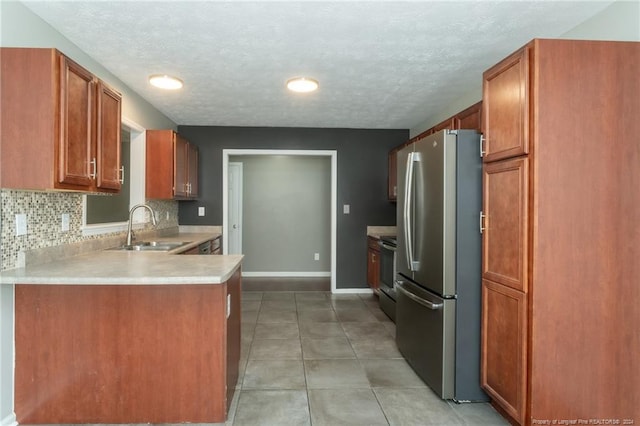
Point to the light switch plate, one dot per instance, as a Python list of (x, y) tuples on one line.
[(346, 209), (21, 224), (200, 211)]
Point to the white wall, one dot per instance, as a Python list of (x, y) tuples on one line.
[(19, 27), (620, 21)]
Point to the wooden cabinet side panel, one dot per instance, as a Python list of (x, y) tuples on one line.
[(77, 129), (159, 164), (504, 347), (120, 354), (180, 166), (506, 209), (192, 170), (108, 144), (28, 105), (505, 104), (586, 246), (234, 290)]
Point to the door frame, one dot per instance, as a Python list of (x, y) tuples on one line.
[(333, 154), (238, 166)]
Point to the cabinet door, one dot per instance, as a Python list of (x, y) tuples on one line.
[(449, 123), (504, 347), (76, 162), (373, 269), (505, 206), (469, 118), (180, 167), (192, 169), (505, 103), (108, 139), (392, 179)]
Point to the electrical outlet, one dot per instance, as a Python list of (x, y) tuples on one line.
[(21, 224), (200, 211), (167, 216), (65, 222), (316, 256), (346, 209)]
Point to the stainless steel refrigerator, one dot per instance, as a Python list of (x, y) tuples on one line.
[(438, 278)]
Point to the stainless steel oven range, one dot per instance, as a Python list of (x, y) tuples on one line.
[(387, 293)]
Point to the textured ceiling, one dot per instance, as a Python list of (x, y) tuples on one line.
[(379, 64)]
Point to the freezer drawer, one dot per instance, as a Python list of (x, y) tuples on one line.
[(425, 335)]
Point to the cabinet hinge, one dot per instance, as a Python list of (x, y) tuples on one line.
[(482, 216)]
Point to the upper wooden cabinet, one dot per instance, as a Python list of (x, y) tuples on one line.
[(469, 118), (171, 166), (506, 107), (60, 124)]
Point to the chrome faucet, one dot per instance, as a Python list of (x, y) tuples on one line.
[(129, 230)]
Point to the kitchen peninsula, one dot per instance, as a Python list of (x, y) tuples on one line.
[(126, 337)]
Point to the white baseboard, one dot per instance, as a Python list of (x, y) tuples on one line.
[(352, 291), (286, 274), (10, 420)]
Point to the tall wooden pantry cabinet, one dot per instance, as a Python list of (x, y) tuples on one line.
[(561, 233)]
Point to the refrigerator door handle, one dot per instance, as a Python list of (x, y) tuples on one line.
[(412, 158), (426, 303)]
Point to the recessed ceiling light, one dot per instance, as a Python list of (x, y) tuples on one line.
[(302, 84), (165, 82)]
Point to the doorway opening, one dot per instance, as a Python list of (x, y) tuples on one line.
[(227, 201)]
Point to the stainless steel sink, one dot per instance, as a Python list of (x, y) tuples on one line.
[(152, 246)]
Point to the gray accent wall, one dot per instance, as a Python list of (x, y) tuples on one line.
[(362, 156), (286, 213)]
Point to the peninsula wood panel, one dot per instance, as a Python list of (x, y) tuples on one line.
[(234, 291), (120, 354)]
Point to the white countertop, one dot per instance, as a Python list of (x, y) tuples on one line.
[(112, 267)]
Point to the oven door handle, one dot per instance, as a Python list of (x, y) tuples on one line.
[(426, 303), (386, 246)]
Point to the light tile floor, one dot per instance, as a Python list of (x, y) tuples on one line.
[(313, 358)]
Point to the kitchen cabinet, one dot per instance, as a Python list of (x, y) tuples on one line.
[(466, 119), (171, 166), (505, 244), (60, 124), (373, 263), (120, 354), (560, 240), (469, 118), (506, 107), (213, 246)]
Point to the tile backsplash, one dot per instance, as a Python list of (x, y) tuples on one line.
[(44, 221)]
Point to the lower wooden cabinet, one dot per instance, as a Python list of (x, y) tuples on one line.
[(504, 347), (116, 354), (373, 263)]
